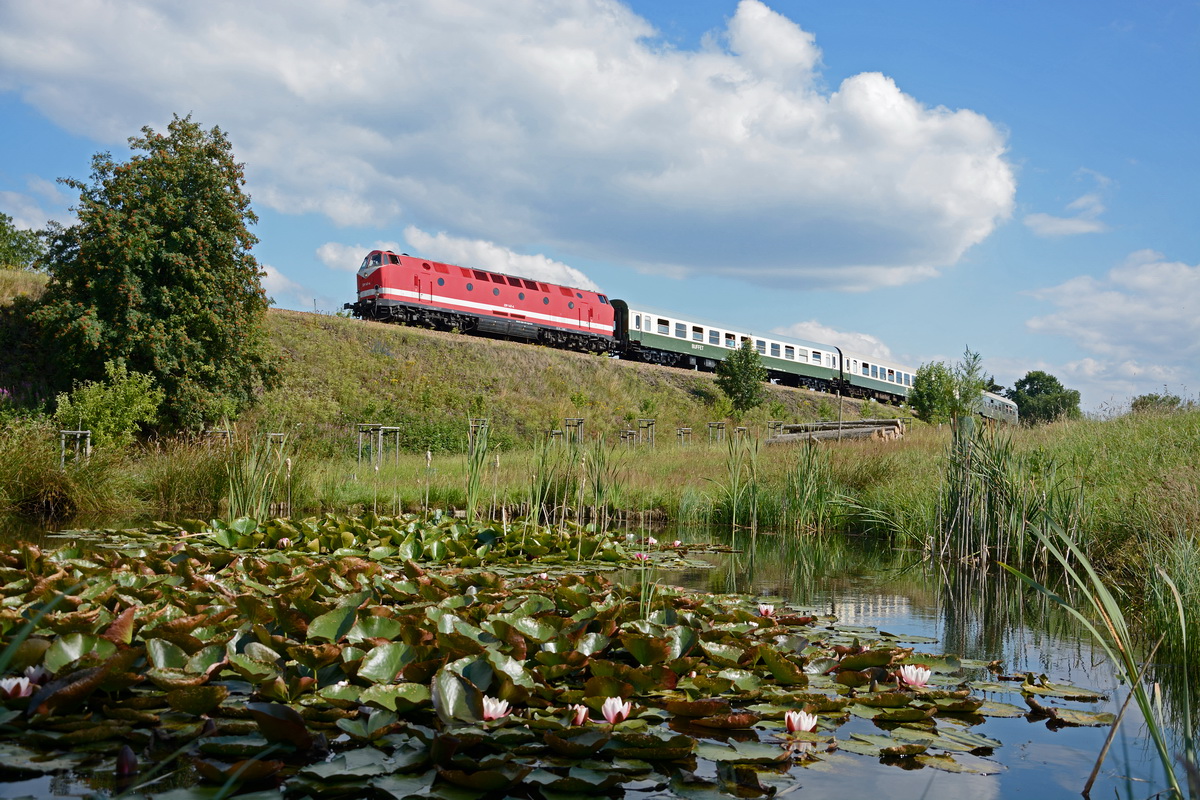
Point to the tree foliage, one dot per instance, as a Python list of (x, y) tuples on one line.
[(1041, 397), (740, 376), (158, 273), (19, 248), (942, 393), (1157, 403), (111, 409)]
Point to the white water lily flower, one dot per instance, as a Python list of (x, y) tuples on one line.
[(579, 714), (650, 540), (914, 675), (766, 610), (797, 721), (494, 708), (615, 711), (12, 688)]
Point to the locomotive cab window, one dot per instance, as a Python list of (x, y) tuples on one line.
[(373, 260), (603, 299), (395, 259)]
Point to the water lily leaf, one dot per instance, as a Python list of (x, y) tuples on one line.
[(71, 647), (511, 669), (402, 787), (362, 762), (943, 664), (607, 686), (993, 708), (333, 625), (737, 719), (682, 639), (1062, 690), (487, 780), (374, 627), (577, 742), (1073, 716), (904, 714), (203, 660), (384, 662), (280, 723), (197, 700), (961, 763), (251, 670), (166, 655), (697, 708), (948, 739), (871, 658), (400, 697), (592, 643), (454, 700), (646, 649), (233, 746), (577, 780), (951, 705), (884, 699), (723, 655), (249, 770), (785, 671), (742, 752)]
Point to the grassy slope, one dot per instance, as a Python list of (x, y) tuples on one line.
[(339, 372)]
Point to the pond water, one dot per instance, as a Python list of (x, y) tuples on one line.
[(974, 614), (986, 616)]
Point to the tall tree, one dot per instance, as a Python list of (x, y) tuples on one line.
[(1041, 397), (158, 274), (740, 375)]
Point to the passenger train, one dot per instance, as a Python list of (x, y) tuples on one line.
[(397, 287)]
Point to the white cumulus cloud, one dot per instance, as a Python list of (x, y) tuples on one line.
[(1140, 322), (287, 293), (480, 254), (861, 344), (561, 124)]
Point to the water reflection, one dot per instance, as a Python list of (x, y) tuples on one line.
[(987, 615)]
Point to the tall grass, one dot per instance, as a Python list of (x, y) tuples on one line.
[(1105, 619), (255, 469), (603, 471), (810, 498), (993, 499), (738, 493), (477, 459)]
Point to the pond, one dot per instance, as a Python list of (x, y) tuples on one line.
[(984, 615), (988, 619)]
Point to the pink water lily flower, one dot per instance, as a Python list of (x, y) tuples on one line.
[(641, 557), (494, 709), (766, 610), (677, 543), (800, 721), (914, 675), (579, 714), (615, 711), (12, 688)]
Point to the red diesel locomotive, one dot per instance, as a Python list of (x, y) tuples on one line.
[(396, 287)]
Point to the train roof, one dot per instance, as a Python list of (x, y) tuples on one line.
[(493, 272)]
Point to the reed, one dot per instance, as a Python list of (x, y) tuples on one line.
[(810, 498), (1104, 618), (603, 472), (253, 470), (477, 459)]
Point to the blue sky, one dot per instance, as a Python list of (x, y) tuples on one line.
[(900, 179)]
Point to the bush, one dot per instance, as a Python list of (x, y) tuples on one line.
[(112, 409)]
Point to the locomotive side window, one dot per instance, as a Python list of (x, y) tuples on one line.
[(577, 294), (545, 301), (680, 330), (520, 295), (395, 259), (697, 333), (714, 337), (441, 281), (603, 299), (496, 292), (470, 288), (571, 304), (664, 328)]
